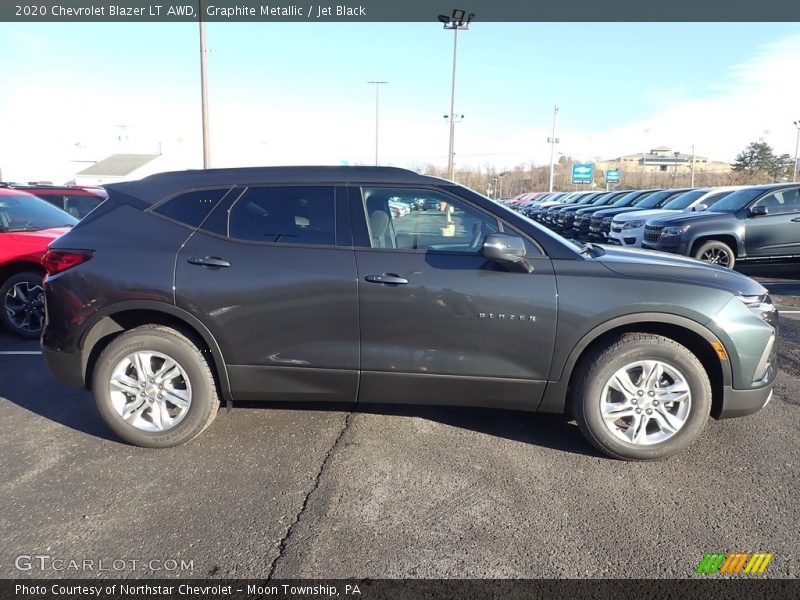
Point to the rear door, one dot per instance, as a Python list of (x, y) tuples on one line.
[(273, 275), (440, 324), (776, 233)]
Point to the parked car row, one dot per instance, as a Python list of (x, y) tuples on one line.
[(720, 225)]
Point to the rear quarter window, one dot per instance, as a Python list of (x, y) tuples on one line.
[(190, 208)]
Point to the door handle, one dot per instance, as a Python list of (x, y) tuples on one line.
[(387, 278), (208, 261)]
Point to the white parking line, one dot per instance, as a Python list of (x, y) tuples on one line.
[(20, 352)]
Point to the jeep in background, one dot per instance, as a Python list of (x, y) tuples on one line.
[(299, 284), (757, 223)]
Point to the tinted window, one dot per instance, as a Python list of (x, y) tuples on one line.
[(684, 200), (738, 199), (54, 199), (288, 215), (192, 207), (29, 213), (80, 206), (450, 225), (784, 201)]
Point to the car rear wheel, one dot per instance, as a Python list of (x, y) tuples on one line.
[(641, 397), (154, 387), (716, 253), (23, 304)]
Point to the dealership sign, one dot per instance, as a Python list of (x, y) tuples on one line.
[(612, 176), (582, 173)]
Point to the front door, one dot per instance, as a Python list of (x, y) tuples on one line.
[(776, 233), (441, 324)]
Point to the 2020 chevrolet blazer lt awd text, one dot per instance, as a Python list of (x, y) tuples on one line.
[(186, 289)]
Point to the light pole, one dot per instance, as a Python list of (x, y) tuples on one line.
[(204, 89), (500, 184), (455, 22), (553, 141), (796, 148), (378, 85), (675, 167), (692, 183)]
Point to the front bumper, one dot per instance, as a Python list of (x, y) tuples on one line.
[(740, 403)]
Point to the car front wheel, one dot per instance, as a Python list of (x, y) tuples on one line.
[(641, 397), (154, 387), (716, 253)]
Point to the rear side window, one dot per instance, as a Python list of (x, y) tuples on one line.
[(80, 206), (285, 215), (192, 207)]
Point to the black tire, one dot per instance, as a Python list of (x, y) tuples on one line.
[(29, 323), (156, 338), (716, 253), (597, 368)]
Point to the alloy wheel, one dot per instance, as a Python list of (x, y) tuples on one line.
[(24, 306), (646, 402)]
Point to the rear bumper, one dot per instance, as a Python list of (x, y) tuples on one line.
[(67, 367)]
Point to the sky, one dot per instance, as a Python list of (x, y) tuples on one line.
[(297, 93)]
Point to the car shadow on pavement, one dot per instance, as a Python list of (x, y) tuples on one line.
[(546, 430), (33, 390)]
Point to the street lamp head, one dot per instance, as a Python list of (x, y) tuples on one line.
[(470, 16), (458, 15), (443, 19)]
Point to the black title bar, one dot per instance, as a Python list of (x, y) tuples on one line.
[(366, 11)]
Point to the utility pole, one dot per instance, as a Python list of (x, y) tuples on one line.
[(553, 141), (692, 183), (675, 167), (796, 148), (204, 89), (378, 85), (455, 22)]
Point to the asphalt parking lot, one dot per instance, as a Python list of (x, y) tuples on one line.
[(397, 492)]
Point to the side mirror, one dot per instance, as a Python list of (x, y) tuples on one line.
[(700, 207), (758, 211), (506, 249)]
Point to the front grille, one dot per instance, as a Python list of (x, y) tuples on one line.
[(616, 228), (651, 234)]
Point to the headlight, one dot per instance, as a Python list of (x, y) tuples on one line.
[(673, 231), (633, 224), (762, 307)]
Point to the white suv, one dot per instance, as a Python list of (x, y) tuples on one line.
[(627, 229)]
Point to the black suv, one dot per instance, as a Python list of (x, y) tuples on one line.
[(298, 284), (758, 223)]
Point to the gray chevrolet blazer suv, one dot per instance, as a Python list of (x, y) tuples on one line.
[(184, 290)]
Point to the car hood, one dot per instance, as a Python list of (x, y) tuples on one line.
[(649, 264), (635, 215), (681, 218), (615, 210), (41, 237)]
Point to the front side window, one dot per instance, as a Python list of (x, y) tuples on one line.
[(419, 219), (80, 206), (781, 202), (285, 215)]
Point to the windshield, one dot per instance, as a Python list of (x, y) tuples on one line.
[(684, 200), (655, 199), (737, 200), (29, 213), (602, 199), (628, 199)]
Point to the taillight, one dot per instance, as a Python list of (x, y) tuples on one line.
[(56, 261)]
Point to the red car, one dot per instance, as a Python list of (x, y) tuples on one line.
[(27, 226)]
